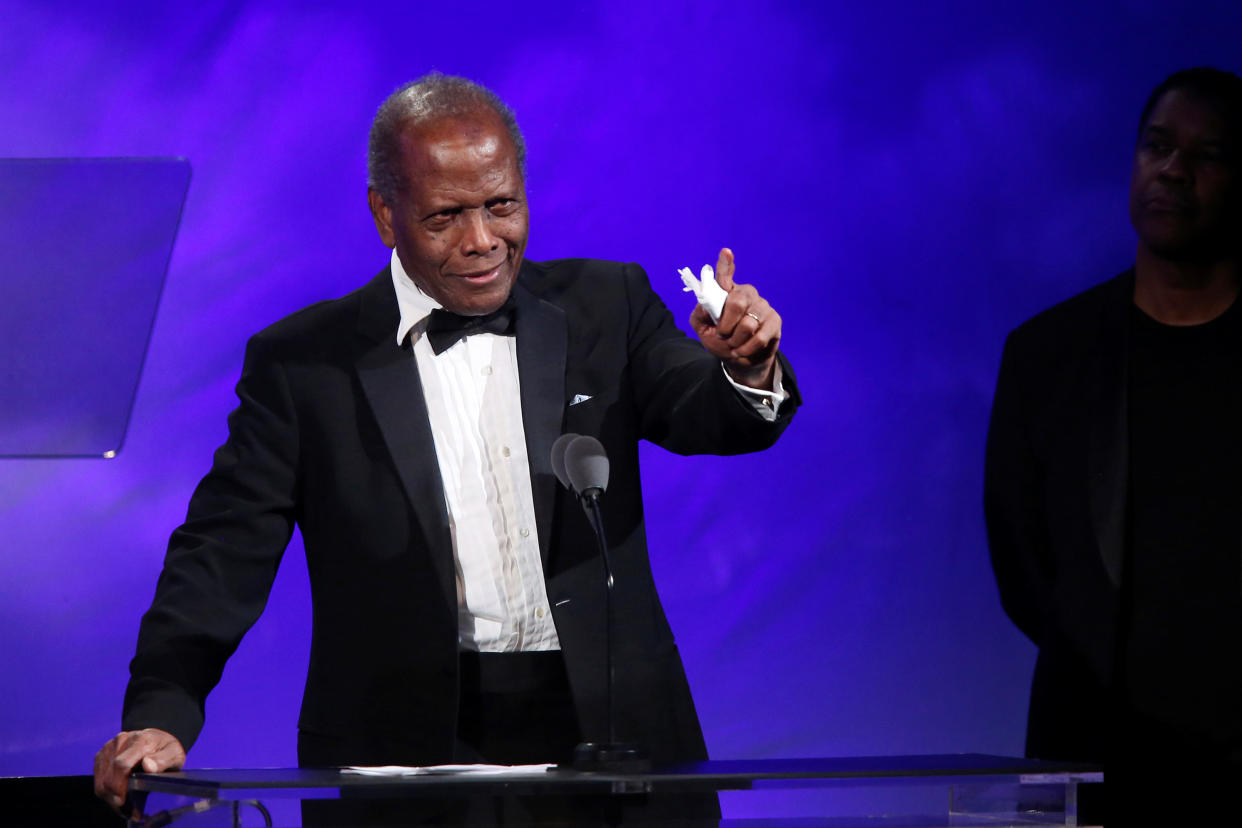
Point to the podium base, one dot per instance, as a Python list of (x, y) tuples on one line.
[(621, 757)]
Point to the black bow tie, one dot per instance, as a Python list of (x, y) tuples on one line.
[(444, 328)]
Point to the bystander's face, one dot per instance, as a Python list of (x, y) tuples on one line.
[(460, 223), (1185, 198)]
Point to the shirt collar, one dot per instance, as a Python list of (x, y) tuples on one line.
[(415, 306)]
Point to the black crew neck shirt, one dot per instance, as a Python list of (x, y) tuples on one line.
[(1181, 651)]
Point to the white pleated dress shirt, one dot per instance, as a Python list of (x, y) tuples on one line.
[(474, 404)]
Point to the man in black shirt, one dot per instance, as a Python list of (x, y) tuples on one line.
[(1113, 485)]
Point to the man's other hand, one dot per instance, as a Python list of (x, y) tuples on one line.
[(746, 337), (151, 749)]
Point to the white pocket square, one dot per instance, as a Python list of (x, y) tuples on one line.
[(579, 398)]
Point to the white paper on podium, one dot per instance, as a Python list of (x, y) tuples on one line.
[(470, 770)]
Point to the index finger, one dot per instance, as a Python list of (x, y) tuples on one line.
[(725, 268), (112, 768), (152, 752), (160, 752), (136, 749)]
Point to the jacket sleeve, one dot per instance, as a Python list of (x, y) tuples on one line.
[(1014, 503), (221, 562)]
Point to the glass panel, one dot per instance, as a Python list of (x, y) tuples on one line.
[(84, 248)]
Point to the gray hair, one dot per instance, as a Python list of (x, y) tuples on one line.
[(430, 98)]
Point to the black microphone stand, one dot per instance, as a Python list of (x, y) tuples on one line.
[(614, 756)]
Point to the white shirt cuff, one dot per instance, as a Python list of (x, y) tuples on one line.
[(765, 403)]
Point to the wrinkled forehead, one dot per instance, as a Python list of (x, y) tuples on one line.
[(470, 145), (1202, 115)]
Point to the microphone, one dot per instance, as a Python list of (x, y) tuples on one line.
[(581, 464), (586, 466)]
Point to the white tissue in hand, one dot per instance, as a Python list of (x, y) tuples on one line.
[(710, 295)]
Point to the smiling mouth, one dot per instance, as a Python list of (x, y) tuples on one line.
[(482, 275)]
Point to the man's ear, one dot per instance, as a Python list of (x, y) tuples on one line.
[(382, 214)]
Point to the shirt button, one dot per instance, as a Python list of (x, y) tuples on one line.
[(487, 370), (504, 451), (524, 532), (539, 612)]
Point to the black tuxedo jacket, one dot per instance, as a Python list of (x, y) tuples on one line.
[(331, 435), (1055, 501)]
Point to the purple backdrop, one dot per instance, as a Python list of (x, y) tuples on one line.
[(904, 181)]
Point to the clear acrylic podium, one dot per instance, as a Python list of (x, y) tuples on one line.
[(952, 790)]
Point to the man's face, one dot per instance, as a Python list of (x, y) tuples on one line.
[(460, 223), (1185, 199)]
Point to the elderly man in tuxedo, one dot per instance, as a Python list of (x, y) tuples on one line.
[(406, 429)]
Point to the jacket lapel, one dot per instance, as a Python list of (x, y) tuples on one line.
[(1108, 460), (390, 381), (542, 337)]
